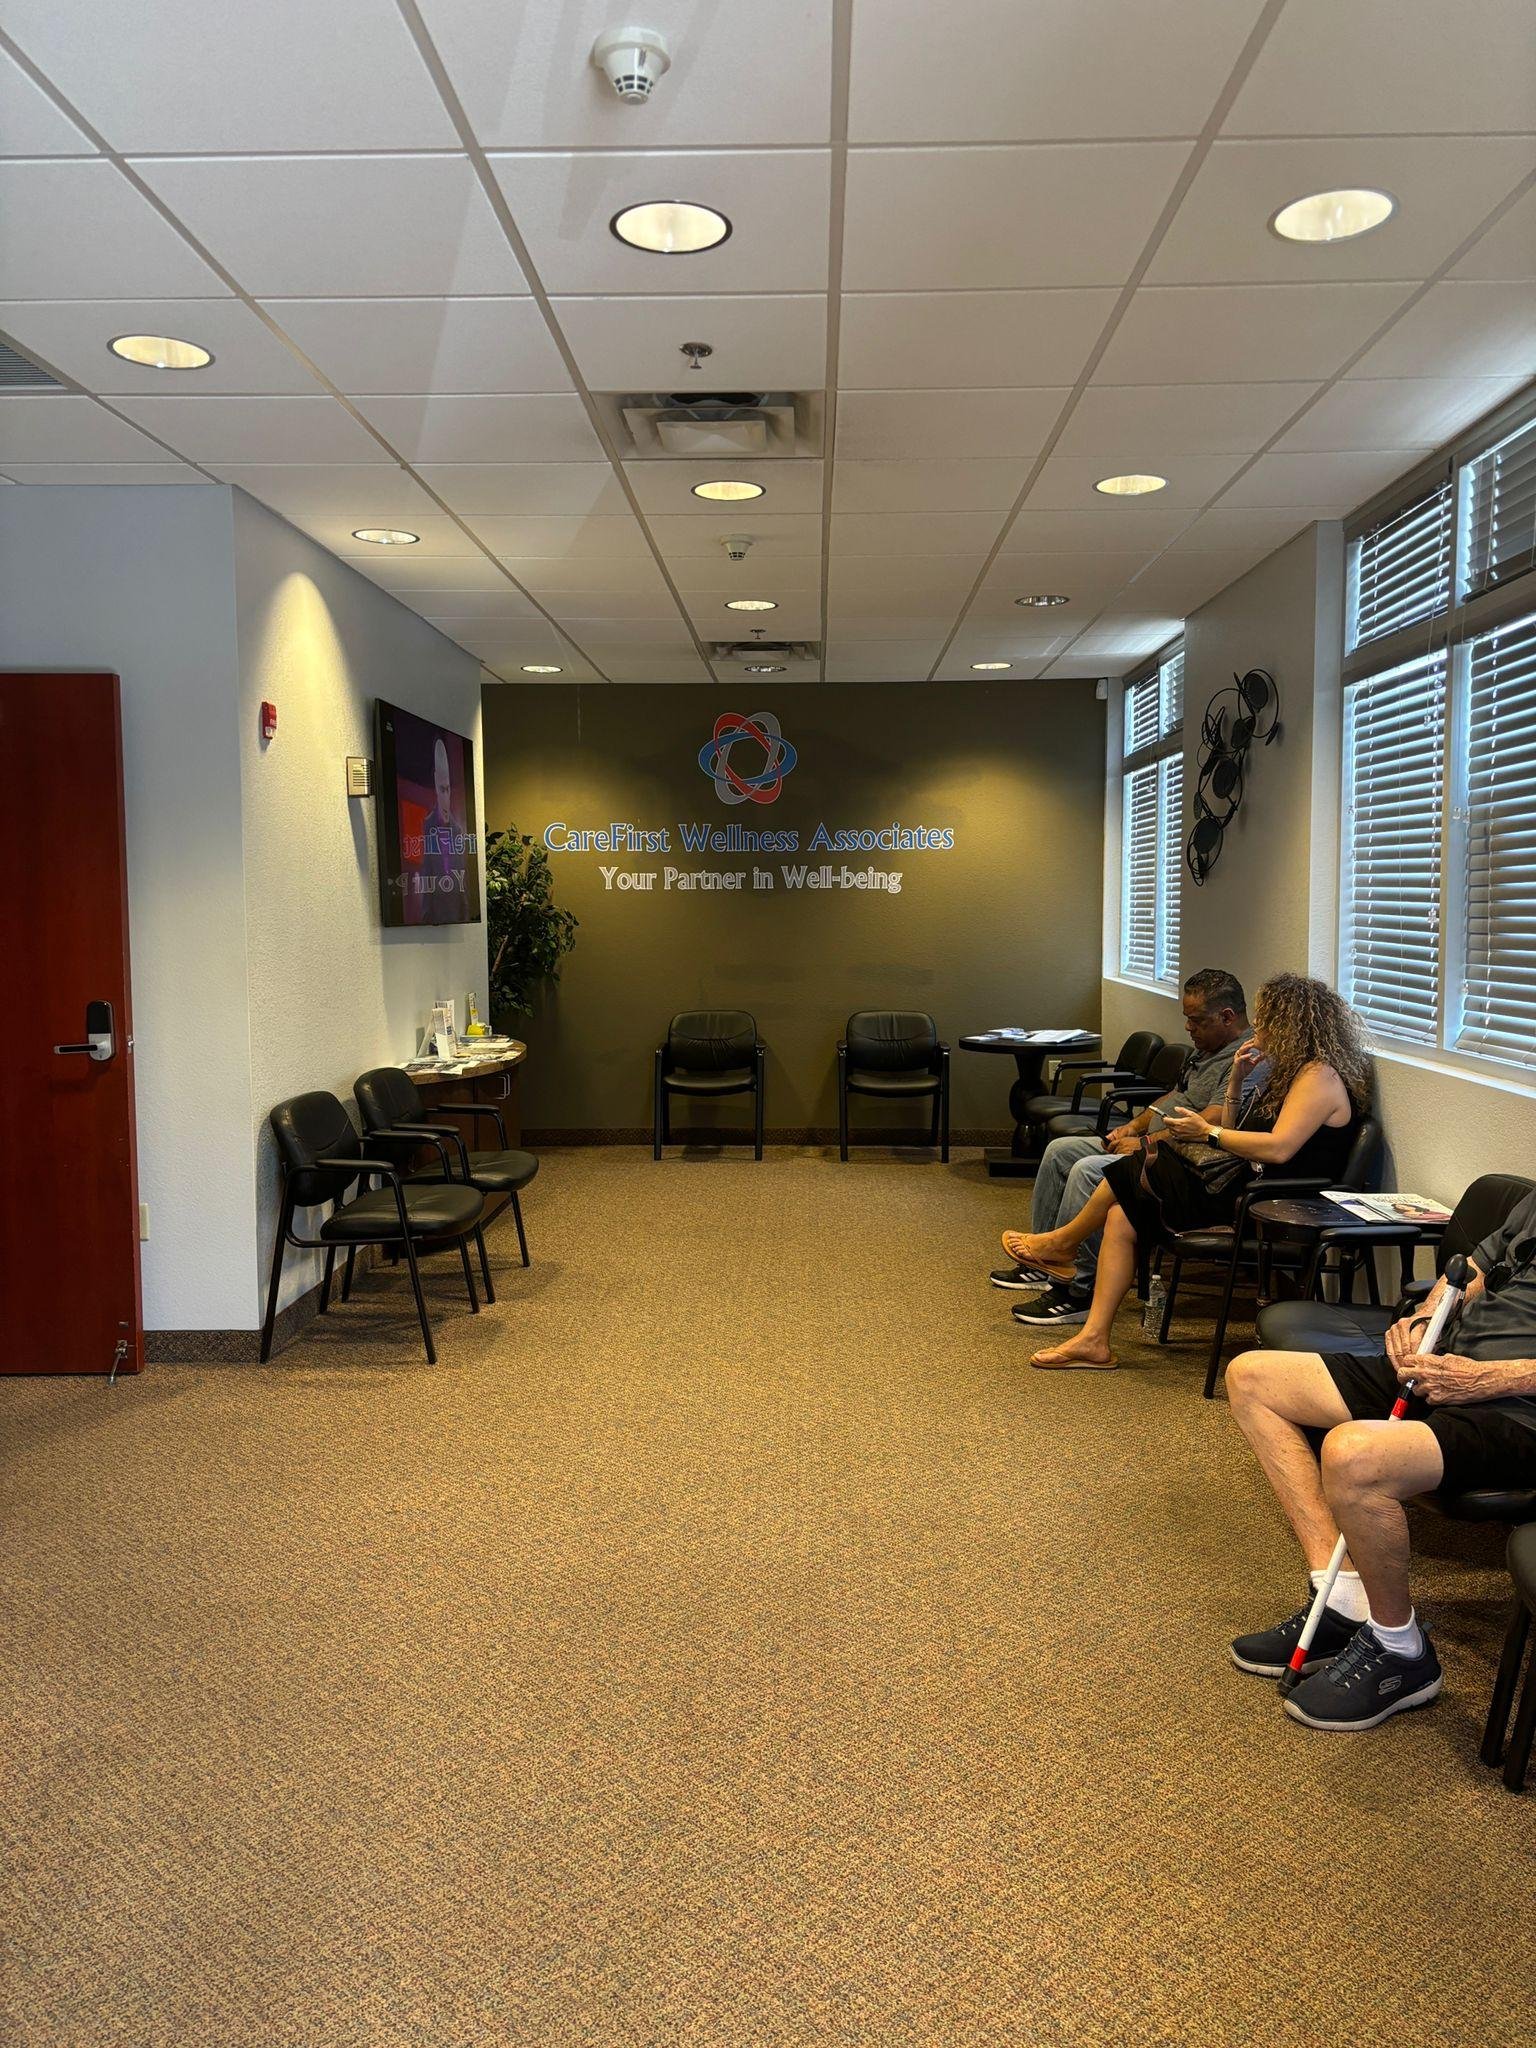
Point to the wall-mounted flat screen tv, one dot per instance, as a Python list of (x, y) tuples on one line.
[(429, 843)]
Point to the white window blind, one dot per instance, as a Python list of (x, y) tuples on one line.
[(1394, 752), (1171, 679), (1170, 864), (1498, 993), (1400, 571), (1143, 715), (1139, 883), (1498, 518)]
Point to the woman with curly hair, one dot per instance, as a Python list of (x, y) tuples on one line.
[(1303, 1115)]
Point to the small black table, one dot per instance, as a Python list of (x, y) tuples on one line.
[(1030, 1055), (1324, 1226)]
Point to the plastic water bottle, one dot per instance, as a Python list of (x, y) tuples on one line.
[(1152, 1313)]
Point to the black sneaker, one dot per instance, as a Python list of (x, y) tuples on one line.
[(1268, 1652), (1020, 1277), (1366, 1685), (1056, 1305)]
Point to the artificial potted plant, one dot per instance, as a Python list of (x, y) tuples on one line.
[(528, 934)]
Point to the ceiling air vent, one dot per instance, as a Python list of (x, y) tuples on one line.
[(19, 373), (766, 650), (694, 426)]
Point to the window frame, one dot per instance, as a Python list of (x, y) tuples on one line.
[(1165, 978)]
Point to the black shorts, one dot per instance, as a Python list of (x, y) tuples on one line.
[(1484, 1444)]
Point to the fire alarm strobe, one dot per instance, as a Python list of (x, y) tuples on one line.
[(268, 720)]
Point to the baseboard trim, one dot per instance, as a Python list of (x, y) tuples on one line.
[(860, 1138)]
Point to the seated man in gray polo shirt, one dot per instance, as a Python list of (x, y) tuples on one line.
[(1216, 1019), (1471, 1423)]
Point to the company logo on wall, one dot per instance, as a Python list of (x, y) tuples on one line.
[(757, 730)]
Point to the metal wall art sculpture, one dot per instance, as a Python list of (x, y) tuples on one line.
[(1227, 732)]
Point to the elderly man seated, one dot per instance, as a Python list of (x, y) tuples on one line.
[(1216, 1019), (1471, 1423)]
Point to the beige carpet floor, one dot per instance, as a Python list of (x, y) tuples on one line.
[(730, 1642)]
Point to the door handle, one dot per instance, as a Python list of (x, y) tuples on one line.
[(98, 1033)]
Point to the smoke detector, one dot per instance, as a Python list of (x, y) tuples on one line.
[(632, 59), (736, 545)]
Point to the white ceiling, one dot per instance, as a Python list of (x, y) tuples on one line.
[(1018, 247)]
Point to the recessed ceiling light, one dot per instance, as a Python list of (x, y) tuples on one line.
[(1130, 486), (671, 227), (763, 668), (726, 492), (1043, 601), (386, 536), (1333, 216), (991, 664), (160, 352), (541, 668), (751, 604)]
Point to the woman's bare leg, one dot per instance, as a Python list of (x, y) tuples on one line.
[(1055, 1251), (1089, 1346)]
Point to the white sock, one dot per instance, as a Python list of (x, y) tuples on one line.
[(1348, 1595), (1407, 1641)]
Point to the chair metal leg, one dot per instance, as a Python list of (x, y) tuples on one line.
[(469, 1276), (658, 1111), (347, 1270), (1219, 1334), (517, 1218), (842, 1118), (933, 1120), (1372, 1284), (421, 1306), (1169, 1297), (485, 1264), (325, 1283), (1496, 1726), (1518, 1756), (757, 1127), (285, 1217)]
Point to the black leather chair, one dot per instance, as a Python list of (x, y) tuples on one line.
[(322, 1158), (1234, 1244), (1521, 1558), (708, 1054), (898, 1056), (1130, 1066), (1119, 1104), (399, 1123)]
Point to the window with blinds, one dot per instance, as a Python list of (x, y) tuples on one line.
[(1152, 790), (1394, 751), (1139, 873), (1170, 678), (1498, 514), (1400, 571), (1170, 862), (1143, 715), (1498, 796)]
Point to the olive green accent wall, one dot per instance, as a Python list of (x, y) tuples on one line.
[(1004, 928)]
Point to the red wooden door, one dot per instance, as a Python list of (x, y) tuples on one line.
[(69, 1204)]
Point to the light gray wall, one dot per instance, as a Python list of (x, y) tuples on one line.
[(142, 582), (331, 992)]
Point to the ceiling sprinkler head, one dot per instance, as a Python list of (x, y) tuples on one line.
[(696, 352), (632, 59)]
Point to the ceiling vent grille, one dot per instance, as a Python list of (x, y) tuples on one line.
[(19, 373), (705, 426), (767, 650)]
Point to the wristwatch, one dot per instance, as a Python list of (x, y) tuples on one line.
[(1213, 1139)]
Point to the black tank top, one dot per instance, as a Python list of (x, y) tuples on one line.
[(1322, 1157)]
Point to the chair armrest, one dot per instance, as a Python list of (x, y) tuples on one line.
[(1369, 1233), (433, 1134), (1418, 1290), (1140, 1092), (1082, 1066), (1099, 1080), (386, 1171), (842, 1045), (479, 1109)]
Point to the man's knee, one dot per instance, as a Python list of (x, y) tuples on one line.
[(1358, 1457), (1083, 1179), (1245, 1377)]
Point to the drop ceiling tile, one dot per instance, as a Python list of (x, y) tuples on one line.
[(339, 226), (512, 489), (48, 427), (577, 573), (611, 608), (880, 426), (951, 219), (1182, 583), (366, 494), (30, 123), (72, 337), (600, 632), (256, 430), (915, 622), (1444, 185), (1119, 642), (1396, 412), (777, 203), (1335, 483), (1241, 526), (1151, 426), (1067, 481), (774, 535), (600, 540), (79, 230), (913, 341), (474, 607), (929, 487), (682, 667), (1086, 577), (788, 486), (992, 71), (526, 78), (286, 75), (882, 534), (368, 345), (1391, 67), (881, 661), (408, 569), (1458, 329), (455, 428), (1117, 524), (1508, 250), (1022, 671), (767, 577), (859, 581), (1244, 333), (759, 344), (1004, 643), (136, 473)]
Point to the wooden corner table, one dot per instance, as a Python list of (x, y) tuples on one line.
[(1030, 1051)]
